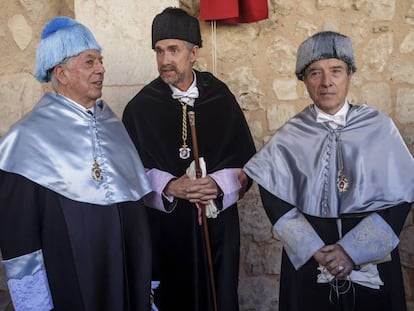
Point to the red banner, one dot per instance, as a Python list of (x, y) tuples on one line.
[(234, 11)]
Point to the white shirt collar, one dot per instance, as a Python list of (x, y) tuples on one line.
[(188, 96), (92, 109), (338, 119)]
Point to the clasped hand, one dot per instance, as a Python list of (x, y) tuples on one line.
[(334, 258), (200, 190)]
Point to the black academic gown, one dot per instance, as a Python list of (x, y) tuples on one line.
[(298, 288), (96, 257), (154, 121)]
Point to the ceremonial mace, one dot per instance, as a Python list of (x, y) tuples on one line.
[(191, 117)]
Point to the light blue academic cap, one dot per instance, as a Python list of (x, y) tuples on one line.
[(62, 38)]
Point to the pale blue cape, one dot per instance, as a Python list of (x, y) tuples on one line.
[(300, 164), (54, 145)]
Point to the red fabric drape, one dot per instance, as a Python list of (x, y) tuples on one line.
[(234, 11)]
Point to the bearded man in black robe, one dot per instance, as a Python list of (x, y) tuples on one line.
[(156, 119)]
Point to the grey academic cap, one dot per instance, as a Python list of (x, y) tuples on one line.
[(322, 45)]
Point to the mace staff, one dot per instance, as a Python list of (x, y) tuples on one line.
[(191, 117)]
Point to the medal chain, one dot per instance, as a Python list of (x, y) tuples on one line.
[(184, 151), (342, 181), (96, 170)]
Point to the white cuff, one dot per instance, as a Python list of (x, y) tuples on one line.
[(27, 282), (159, 180), (371, 240), (228, 181)]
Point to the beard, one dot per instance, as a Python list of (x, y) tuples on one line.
[(170, 75)]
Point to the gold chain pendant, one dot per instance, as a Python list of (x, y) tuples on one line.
[(184, 151)]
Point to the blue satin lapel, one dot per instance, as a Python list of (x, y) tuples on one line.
[(300, 166), (55, 145)]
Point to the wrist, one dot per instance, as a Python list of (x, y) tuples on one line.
[(168, 190)]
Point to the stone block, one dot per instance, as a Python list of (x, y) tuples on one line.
[(259, 293), (18, 94), (125, 38), (402, 70), (117, 97), (285, 89), (377, 53), (253, 219), (406, 247), (22, 32), (377, 95), (407, 45), (405, 105), (277, 115), (281, 56), (244, 86)]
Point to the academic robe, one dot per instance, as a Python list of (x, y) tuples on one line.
[(154, 121), (298, 288), (297, 172), (70, 242), (96, 257)]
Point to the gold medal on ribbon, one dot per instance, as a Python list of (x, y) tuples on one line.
[(96, 171), (342, 182), (184, 152)]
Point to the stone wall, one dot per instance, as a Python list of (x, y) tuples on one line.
[(257, 62)]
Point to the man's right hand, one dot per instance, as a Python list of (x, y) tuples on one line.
[(200, 190)]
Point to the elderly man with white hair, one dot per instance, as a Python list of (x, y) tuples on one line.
[(73, 231)]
